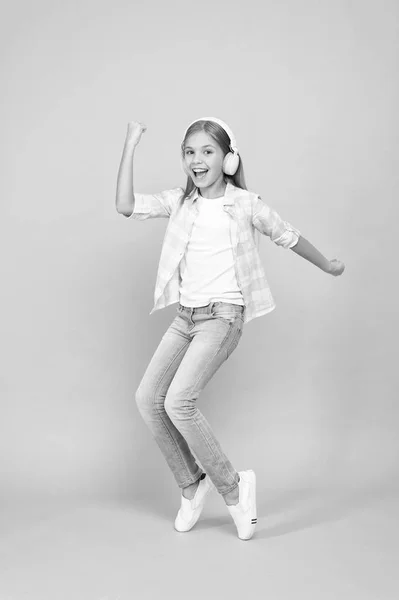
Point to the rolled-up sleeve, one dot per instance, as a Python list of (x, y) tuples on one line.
[(152, 206), (268, 222)]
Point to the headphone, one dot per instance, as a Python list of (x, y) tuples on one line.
[(232, 159)]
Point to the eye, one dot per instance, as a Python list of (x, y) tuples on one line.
[(188, 152), (208, 152)]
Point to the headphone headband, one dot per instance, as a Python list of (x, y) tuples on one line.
[(233, 143)]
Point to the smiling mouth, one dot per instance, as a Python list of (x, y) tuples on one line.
[(200, 173)]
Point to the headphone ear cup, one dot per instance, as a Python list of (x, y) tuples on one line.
[(230, 163)]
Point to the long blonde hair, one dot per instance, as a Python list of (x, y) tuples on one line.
[(222, 139)]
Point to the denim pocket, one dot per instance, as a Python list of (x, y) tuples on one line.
[(228, 312)]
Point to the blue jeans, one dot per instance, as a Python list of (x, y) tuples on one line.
[(195, 345)]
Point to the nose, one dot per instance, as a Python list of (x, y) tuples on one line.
[(196, 158)]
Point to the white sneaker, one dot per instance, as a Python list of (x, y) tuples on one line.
[(244, 513), (190, 510)]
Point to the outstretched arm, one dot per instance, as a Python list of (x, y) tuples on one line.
[(124, 188), (308, 251), (269, 222)]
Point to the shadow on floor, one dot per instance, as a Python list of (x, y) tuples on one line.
[(282, 513)]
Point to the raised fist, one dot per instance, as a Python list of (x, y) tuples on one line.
[(336, 267), (134, 131)]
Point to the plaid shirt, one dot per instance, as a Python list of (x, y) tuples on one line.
[(249, 217)]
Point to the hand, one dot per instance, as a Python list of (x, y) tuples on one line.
[(134, 132), (336, 267)]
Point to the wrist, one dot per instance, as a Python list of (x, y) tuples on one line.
[(131, 143)]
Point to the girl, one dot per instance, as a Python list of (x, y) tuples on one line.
[(210, 265)]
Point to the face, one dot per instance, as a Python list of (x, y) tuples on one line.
[(203, 160)]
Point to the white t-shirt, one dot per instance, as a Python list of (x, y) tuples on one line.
[(207, 269)]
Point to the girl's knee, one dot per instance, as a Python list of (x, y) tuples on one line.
[(146, 400), (142, 398), (179, 408)]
